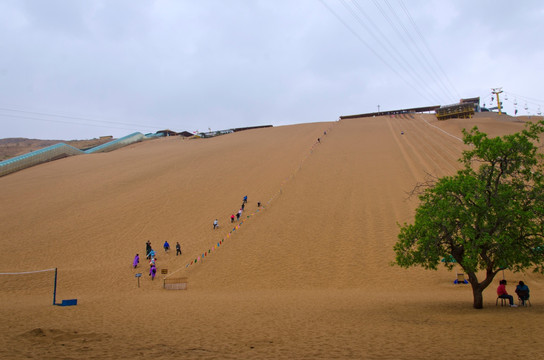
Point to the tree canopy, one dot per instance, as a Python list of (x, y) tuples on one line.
[(488, 217)]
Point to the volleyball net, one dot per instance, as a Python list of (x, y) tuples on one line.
[(36, 283)]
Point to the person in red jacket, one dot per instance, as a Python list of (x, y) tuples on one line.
[(503, 294)]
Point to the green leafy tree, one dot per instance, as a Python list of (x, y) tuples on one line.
[(488, 217)]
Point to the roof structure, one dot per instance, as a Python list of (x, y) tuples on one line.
[(393, 112)]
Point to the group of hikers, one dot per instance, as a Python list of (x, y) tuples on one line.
[(238, 215), (522, 291), (151, 255)]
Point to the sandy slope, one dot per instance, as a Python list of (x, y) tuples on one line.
[(306, 276)]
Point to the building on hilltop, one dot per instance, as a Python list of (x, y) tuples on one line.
[(464, 109), (475, 101), (167, 133), (423, 109)]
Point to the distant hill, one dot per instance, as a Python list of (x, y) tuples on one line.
[(11, 147)]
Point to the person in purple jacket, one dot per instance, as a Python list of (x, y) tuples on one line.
[(152, 271), (136, 261)]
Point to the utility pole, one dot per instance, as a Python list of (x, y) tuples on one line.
[(378, 108), (497, 91)]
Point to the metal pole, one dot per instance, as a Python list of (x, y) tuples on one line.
[(497, 91), (55, 288)]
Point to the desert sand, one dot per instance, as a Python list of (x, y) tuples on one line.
[(306, 276)]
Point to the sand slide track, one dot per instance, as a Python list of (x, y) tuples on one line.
[(432, 152)]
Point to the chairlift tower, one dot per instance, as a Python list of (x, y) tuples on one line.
[(497, 91)]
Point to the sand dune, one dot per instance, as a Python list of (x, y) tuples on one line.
[(306, 276)]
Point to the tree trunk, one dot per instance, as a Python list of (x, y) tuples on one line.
[(478, 297), (478, 288)]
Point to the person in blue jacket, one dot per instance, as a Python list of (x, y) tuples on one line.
[(523, 292)]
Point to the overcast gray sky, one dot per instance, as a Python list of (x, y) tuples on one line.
[(82, 69)]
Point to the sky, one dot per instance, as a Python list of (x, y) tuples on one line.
[(89, 68)]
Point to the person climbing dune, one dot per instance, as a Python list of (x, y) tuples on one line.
[(178, 249), (152, 272)]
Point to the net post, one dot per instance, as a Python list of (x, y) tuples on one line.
[(55, 288)]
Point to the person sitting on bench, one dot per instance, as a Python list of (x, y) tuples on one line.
[(523, 292), (503, 294)]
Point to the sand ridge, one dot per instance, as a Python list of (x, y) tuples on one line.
[(307, 277)]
